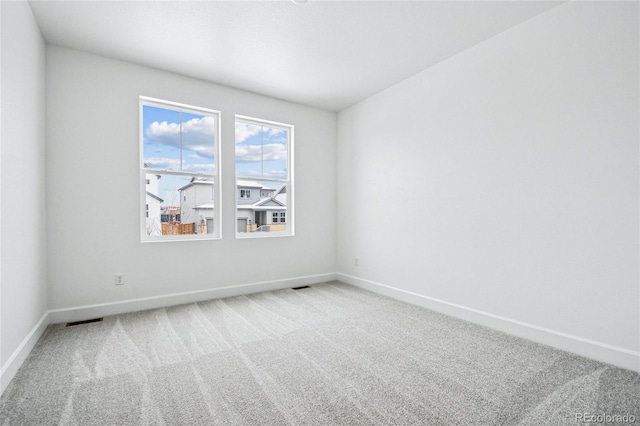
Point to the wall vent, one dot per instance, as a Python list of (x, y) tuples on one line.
[(89, 321)]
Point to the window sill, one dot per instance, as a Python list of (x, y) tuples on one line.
[(256, 235), (168, 238)]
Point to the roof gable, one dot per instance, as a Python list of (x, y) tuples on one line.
[(269, 202)]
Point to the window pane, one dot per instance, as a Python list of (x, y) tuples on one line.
[(261, 151), (248, 149), (275, 153), (178, 140), (161, 138), (198, 137), (179, 205), (261, 212), (179, 147)]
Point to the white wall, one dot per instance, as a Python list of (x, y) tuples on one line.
[(92, 181), (520, 156), (23, 246)]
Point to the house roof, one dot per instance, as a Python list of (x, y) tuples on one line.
[(269, 202), (260, 208), (204, 206), (197, 181), (155, 196), (252, 184), (266, 203), (281, 194)]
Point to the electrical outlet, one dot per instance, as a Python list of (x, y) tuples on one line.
[(356, 262), (119, 279)]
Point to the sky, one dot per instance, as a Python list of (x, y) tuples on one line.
[(261, 151), (163, 147)]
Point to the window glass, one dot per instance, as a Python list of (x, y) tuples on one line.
[(263, 169), (261, 151), (181, 190)]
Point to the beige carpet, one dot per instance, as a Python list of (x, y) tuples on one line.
[(331, 354)]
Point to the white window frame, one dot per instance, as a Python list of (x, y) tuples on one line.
[(289, 181), (217, 210)]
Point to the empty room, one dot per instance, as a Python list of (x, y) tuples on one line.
[(319, 212)]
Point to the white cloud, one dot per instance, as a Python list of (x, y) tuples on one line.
[(273, 174), (197, 168), (197, 135), (204, 125), (164, 133), (257, 153), (244, 131), (275, 132), (203, 151), (163, 163)]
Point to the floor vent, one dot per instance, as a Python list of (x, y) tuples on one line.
[(300, 288), (89, 321)]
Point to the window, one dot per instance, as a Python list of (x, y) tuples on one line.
[(179, 166), (264, 163), (279, 217)]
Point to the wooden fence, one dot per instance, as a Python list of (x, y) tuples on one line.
[(178, 229)]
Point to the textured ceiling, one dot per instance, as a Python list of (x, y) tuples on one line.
[(328, 54)]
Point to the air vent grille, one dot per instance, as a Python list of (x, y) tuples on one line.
[(89, 321)]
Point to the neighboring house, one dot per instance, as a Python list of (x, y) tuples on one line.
[(170, 214), (153, 213), (260, 208), (281, 194), (196, 204)]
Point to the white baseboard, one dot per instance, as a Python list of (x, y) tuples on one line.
[(596, 350), (78, 313), (10, 368), (599, 351)]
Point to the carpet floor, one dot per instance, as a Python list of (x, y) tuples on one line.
[(331, 354)]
